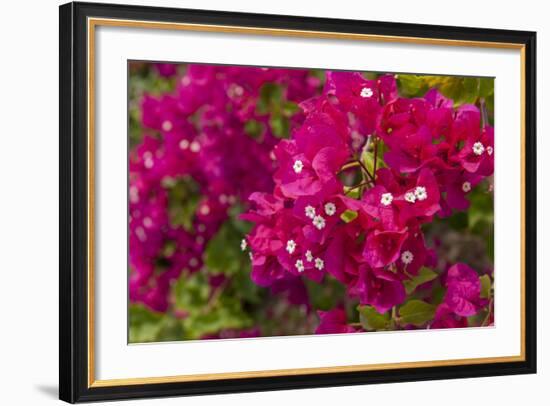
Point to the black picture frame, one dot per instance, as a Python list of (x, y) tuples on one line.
[(74, 199)]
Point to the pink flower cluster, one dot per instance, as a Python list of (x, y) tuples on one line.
[(410, 159), (197, 136)]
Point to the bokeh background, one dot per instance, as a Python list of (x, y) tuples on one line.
[(213, 296)]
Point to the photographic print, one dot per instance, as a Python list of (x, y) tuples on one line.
[(268, 201), (237, 186)]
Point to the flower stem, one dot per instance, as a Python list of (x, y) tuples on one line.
[(366, 183), (484, 115)]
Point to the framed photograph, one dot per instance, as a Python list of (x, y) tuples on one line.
[(257, 202)]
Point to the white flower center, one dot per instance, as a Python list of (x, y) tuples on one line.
[(290, 246), (167, 125), (490, 150), (140, 232), (319, 222), (309, 256), (330, 209), (478, 148), (407, 257), (134, 194), (410, 197), (319, 263), (195, 146), (184, 144), (298, 166), (300, 265), (244, 244), (420, 193), (149, 163), (366, 92), (205, 210), (310, 211), (466, 187), (386, 199)]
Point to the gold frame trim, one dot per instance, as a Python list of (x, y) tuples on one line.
[(94, 22)]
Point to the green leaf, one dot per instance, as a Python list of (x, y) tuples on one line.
[(486, 87), (348, 216), (424, 275), (184, 199), (352, 192), (372, 320), (223, 253), (416, 312), (485, 281), (290, 108), (271, 95), (191, 292), (254, 129), (144, 325), (280, 125)]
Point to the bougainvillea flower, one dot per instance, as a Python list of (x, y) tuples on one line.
[(333, 322), (446, 318), (421, 199), (383, 247), (477, 154), (378, 288), (413, 253), (463, 290)]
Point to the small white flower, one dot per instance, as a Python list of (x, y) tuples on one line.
[(201, 228), (193, 262), (309, 256), (147, 222), (244, 244), (478, 148), (407, 257), (140, 232), (184, 144), (195, 146), (410, 197), (167, 125), (310, 211), (319, 263), (148, 160), (222, 198), (250, 256), (134, 194), (298, 166), (205, 210), (330, 209), (490, 150), (290, 246), (319, 222), (235, 90), (466, 187), (421, 193), (386, 199), (300, 265), (366, 92)]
